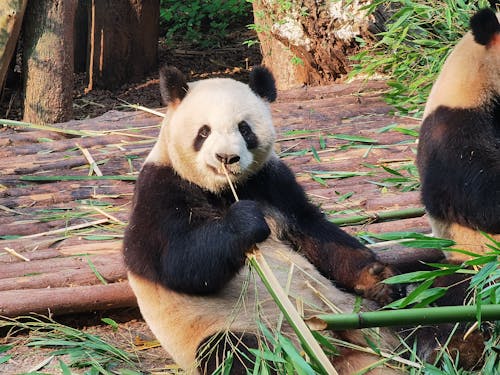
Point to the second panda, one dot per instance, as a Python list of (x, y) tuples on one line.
[(459, 147)]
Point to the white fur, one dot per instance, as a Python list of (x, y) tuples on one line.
[(221, 104), (470, 75)]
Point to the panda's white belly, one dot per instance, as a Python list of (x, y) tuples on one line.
[(181, 322)]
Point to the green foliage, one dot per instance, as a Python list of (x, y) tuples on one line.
[(419, 36), (202, 22), (82, 350)]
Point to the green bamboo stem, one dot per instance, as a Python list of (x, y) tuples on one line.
[(380, 216), (420, 316), (309, 343), (76, 178)]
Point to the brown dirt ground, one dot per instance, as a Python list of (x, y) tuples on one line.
[(233, 59)]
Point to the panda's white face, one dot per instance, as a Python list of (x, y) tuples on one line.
[(219, 121)]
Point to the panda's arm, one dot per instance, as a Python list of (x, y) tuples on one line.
[(203, 258), (333, 252), (176, 237)]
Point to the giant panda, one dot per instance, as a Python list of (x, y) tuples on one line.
[(186, 242), (458, 154)]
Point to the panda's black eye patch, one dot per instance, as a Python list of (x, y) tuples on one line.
[(248, 135), (202, 135)]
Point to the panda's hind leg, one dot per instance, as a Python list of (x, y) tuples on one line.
[(214, 352)]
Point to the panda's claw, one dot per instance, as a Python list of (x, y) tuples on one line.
[(370, 285)]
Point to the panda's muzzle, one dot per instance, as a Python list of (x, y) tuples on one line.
[(227, 158)]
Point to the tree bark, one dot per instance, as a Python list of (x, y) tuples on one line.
[(11, 19), (311, 41), (123, 41), (48, 60)]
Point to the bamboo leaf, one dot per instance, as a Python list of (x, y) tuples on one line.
[(96, 272), (353, 138), (315, 154), (299, 363), (64, 368)]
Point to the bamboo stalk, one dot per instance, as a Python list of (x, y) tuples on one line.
[(144, 109), (27, 125), (67, 229), (420, 316), (259, 264), (380, 216), (309, 343)]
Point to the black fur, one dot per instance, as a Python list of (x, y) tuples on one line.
[(248, 135), (194, 241), (173, 85), (484, 25), (202, 135), (459, 162), (262, 83)]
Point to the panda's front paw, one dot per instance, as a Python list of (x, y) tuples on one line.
[(247, 219), (369, 284)]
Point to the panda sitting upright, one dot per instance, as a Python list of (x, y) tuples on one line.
[(459, 148), (186, 243)]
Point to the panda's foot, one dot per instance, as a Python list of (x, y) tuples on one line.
[(369, 284)]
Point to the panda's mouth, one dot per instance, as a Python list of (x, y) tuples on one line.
[(220, 171)]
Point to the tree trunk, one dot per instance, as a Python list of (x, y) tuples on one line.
[(123, 41), (48, 60), (310, 42), (11, 19)]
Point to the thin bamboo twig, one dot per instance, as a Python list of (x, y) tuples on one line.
[(142, 108), (90, 159), (258, 262), (408, 317), (67, 229), (108, 215), (27, 125), (16, 254)]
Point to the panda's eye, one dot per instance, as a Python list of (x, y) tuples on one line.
[(248, 135), (203, 134), (204, 131), (244, 129)]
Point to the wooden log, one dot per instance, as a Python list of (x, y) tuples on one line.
[(111, 272), (60, 301), (21, 269), (407, 259), (11, 19)]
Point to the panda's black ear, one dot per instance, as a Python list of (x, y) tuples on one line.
[(173, 85), (262, 83), (484, 25)]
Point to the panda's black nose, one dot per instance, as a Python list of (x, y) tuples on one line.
[(227, 158)]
